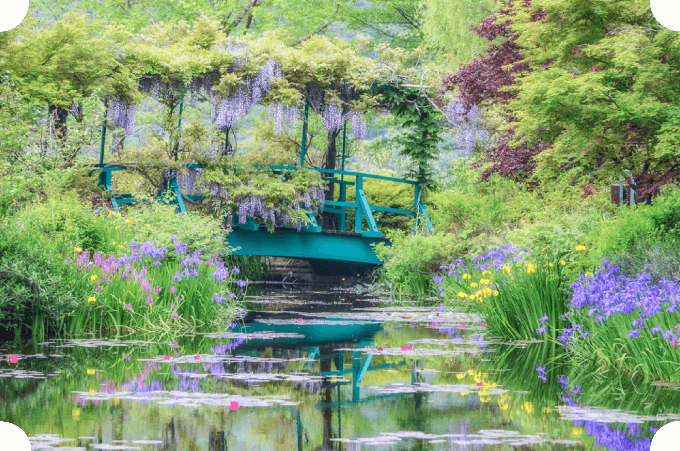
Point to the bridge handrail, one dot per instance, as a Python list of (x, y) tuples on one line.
[(122, 166)]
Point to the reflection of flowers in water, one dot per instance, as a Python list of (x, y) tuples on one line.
[(605, 435), (453, 334), (186, 381), (312, 386), (138, 386)]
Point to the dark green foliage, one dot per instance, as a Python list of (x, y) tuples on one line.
[(420, 142), (39, 289)]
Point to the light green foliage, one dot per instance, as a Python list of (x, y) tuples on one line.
[(446, 28), (17, 117), (39, 290), (67, 221), (237, 17), (608, 100), (157, 221), (395, 21), (634, 226), (411, 260), (60, 64)]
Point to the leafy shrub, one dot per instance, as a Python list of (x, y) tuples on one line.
[(39, 290), (411, 260), (67, 222), (385, 194), (157, 221), (634, 227)]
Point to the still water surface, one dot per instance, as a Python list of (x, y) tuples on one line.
[(324, 370)]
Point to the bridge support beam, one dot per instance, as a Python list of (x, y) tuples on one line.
[(310, 245)]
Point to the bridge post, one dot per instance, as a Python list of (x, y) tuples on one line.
[(358, 216), (179, 127), (304, 134), (416, 201), (101, 150), (343, 198)]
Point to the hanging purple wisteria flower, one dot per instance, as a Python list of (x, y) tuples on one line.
[(332, 117), (121, 113)]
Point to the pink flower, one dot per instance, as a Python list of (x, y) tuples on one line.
[(299, 320), (197, 357), (406, 348), (479, 384), (174, 344), (126, 356), (167, 357), (149, 300), (233, 405), (175, 316), (462, 324), (179, 299), (127, 307), (434, 324), (157, 289), (483, 324), (673, 342), (173, 289), (13, 359), (380, 348)]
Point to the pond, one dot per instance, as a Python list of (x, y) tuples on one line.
[(324, 369)]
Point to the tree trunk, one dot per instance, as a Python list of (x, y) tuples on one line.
[(59, 117), (117, 142), (329, 220)]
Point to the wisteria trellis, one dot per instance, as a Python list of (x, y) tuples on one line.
[(227, 109)]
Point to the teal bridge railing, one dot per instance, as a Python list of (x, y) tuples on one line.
[(312, 242)]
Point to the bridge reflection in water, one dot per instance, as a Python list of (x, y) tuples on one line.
[(322, 340)]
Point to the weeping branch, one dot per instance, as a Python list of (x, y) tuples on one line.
[(321, 28), (245, 12)]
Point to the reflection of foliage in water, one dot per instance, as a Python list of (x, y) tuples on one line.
[(517, 369)]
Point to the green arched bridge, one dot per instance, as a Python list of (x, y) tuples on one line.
[(353, 244)]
